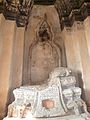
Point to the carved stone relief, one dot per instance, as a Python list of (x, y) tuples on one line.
[(59, 97), (44, 54), (43, 45), (18, 10)]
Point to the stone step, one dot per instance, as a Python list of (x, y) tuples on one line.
[(71, 117)]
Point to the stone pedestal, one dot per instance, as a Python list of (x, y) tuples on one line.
[(73, 117), (58, 99)]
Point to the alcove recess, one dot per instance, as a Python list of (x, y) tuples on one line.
[(43, 47)]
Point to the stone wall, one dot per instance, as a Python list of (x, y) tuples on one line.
[(11, 59), (31, 39), (13, 47), (77, 46)]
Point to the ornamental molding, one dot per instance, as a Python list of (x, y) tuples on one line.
[(72, 10), (68, 10), (17, 10)]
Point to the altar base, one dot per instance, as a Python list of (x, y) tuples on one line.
[(72, 117)]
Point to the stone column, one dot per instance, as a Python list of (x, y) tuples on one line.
[(17, 61), (7, 31), (72, 50), (2, 20), (87, 32), (79, 35), (77, 54), (87, 63)]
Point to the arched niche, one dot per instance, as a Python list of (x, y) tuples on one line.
[(44, 55)]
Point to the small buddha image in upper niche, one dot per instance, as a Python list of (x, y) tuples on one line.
[(44, 32)]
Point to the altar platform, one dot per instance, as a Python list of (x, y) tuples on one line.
[(72, 117)]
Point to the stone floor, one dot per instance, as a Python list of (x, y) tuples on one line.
[(72, 117)]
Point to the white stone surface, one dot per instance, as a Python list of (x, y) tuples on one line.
[(72, 117), (59, 97)]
